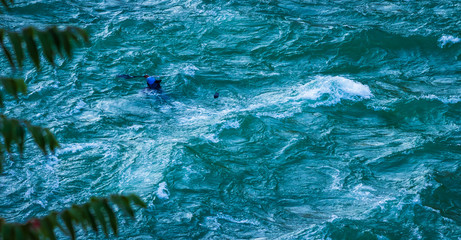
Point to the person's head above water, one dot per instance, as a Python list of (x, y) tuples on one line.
[(152, 82)]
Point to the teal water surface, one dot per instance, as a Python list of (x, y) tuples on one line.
[(336, 119)]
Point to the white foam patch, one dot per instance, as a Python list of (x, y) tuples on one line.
[(162, 191), (78, 108), (446, 100), (336, 88), (231, 124), (234, 220), (211, 223), (211, 137), (136, 127), (447, 40), (75, 147), (322, 90), (190, 70)]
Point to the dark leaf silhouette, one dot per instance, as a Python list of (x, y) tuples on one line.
[(14, 132), (53, 41), (13, 86), (99, 211), (77, 215)]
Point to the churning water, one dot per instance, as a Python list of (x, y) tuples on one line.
[(336, 119)]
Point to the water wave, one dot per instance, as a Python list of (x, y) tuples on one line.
[(448, 40), (320, 91), (335, 119)]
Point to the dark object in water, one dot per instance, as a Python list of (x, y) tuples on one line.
[(126, 76), (153, 82), (216, 95)]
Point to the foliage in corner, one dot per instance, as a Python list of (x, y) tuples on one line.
[(6, 4), (14, 131), (52, 40), (96, 212)]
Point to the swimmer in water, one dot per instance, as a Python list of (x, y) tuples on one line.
[(153, 83)]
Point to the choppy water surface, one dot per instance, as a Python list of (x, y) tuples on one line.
[(337, 119)]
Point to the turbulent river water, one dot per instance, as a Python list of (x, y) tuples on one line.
[(336, 119)]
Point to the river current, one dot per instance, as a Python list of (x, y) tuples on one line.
[(336, 119)]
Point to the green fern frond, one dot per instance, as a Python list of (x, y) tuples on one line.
[(14, 132), (98, 212), (53, 41)]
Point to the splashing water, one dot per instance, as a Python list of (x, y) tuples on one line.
[(335, 120)]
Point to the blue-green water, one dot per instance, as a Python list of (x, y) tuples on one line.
[(336, 119)]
